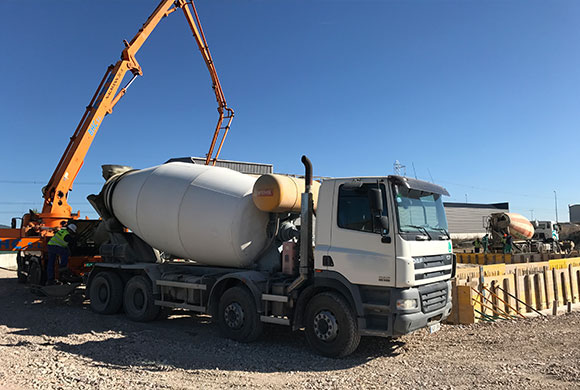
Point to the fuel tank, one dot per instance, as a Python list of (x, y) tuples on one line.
[(196, 212), (281, 193)]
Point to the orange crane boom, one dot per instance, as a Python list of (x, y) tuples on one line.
[(56, 208)]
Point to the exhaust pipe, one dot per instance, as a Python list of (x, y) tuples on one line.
[(306, 249)]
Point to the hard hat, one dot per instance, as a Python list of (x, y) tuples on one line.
[(72, 227)]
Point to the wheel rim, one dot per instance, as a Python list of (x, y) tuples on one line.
[(103, 292), (234, 315), (139, 299), (325, 326)]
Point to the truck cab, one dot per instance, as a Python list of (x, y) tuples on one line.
[(546, 231), (386, 238)]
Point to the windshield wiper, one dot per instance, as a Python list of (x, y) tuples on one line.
[(420, 228), (442, 230)]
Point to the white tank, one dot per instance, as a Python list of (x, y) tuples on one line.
[(195, 212), (574, 210)]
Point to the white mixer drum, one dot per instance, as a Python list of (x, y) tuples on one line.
[(196, 212)]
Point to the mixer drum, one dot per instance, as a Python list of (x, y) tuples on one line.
[(196, 212)]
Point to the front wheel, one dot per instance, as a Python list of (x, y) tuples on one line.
[(331, 328), (238, 317)]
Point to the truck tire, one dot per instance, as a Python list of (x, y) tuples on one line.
[(330, 325), (139, 301), (238, 317), (106, 293), (22, 276), (35, 276)]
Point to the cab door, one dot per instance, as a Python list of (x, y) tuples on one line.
[(360, 249)]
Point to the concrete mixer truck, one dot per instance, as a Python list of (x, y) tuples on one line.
[(341, 259)]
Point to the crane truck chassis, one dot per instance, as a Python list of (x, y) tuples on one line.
[(372, 269)]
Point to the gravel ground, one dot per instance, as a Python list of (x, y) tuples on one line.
[(60, 344)]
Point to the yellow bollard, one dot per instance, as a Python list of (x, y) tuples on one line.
[(466, 305), (566, 286), (558, 294), (520, 290), (549, 281), (509, 286), (540, 292), (573, 284), (530, 292)]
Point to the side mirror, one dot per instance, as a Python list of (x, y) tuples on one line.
[(13, 223), (376, 201)]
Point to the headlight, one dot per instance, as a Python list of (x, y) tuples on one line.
[(406, 304)]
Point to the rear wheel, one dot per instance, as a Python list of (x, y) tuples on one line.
[(238, 317), (139, 300), (331, 328), (106, 293)]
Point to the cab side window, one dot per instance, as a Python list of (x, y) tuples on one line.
[(354, 208)]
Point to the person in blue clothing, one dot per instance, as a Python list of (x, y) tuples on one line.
[(58, 247)]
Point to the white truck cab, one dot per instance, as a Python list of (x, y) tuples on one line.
[(397, 258)]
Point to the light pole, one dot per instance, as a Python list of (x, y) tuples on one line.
[(556, 204)]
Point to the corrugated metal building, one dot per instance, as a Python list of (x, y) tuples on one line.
[(469, 218), (240, 166)]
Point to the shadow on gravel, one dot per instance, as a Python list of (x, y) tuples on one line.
[(182, 341)]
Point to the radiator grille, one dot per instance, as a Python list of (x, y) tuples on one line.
[(433, 297)]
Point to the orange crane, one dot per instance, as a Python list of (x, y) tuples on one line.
[(56, 208), (36, 228)]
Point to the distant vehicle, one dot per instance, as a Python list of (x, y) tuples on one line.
[(546, 231), (499, 225)]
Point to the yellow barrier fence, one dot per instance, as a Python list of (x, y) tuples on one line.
[(497, 258), (493, 291)]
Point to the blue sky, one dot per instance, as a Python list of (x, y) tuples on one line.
[(482, 97)]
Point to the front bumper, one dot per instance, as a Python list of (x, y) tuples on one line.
[(434, 306), (407, 323)]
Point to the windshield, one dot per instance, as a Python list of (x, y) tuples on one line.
[(419, 210)]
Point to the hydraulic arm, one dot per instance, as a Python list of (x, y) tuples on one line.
[(108, 94)]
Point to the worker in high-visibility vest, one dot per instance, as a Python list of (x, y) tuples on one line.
[(477, 245), (58, 246)]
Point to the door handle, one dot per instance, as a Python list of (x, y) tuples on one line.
[(327, 261)]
